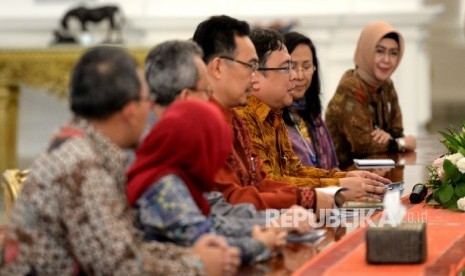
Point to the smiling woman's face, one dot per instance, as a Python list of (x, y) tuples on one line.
[(386, 58)]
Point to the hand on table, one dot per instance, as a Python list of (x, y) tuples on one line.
[(362, 189), (216, 255), (380, 136)]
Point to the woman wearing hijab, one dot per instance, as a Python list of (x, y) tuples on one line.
[(364, 115), (309, 135), (175, 165)]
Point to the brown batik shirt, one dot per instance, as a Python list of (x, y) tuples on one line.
[(357, 109), (72, 216), (270, 140)]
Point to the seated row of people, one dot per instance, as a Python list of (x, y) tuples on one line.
[(217, 157), (178, 160), (72, 216), (364, 115)]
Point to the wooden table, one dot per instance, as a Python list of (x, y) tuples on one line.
[(316, 259), (445, 235), (48, 69)]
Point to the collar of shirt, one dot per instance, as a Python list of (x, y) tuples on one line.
[(262, 110), (228, 113), (111, 156)]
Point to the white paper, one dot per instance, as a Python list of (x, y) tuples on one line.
[(375, 162)]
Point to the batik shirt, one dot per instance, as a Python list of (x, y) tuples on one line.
[(242, 178), (271, 142), (357, 109), (166, 212), (72, 216), (234, 218)]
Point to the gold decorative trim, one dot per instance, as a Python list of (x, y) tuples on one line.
[(8, 126), (48, 69), (12, 181)]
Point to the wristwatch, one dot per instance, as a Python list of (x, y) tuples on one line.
[(339, 198), (401, 144)]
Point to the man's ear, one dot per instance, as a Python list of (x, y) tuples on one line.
[(256, 85), (129, 111), (215, 67), (184, 95)]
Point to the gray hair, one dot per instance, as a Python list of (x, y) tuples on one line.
[(170, 67)]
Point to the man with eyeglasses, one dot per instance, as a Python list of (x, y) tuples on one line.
[(273, 91), (175, 71), (232, 63), (71, 217)]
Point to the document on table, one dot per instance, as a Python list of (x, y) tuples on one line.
[(362, 205), (374, 163)]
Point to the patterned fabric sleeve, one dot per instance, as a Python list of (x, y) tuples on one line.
[(233, 220), (308, 198), (315, 177), (242, 178), (167, 212), (268, 194), (285, 165), (358, 124), (72, 216), (104, 244), (351, 109)]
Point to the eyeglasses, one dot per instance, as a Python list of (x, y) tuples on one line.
[(252, 66), (283, 70), (306, 68)]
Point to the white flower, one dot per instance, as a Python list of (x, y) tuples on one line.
[(461, 203), (461, 165), (454, 157)]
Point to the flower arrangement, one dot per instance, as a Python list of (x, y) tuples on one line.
[(447, 173)]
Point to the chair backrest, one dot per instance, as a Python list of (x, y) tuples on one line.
[(12, 180)]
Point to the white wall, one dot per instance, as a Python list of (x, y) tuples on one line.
[(447, 46), (135, 8), (334, 25)]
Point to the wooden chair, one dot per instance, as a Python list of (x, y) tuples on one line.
[(12, 180)]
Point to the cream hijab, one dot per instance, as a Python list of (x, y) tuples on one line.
[(364, 57)]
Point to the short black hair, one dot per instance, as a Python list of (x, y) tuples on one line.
[(103, 81), (216, 35), (266, 40)]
